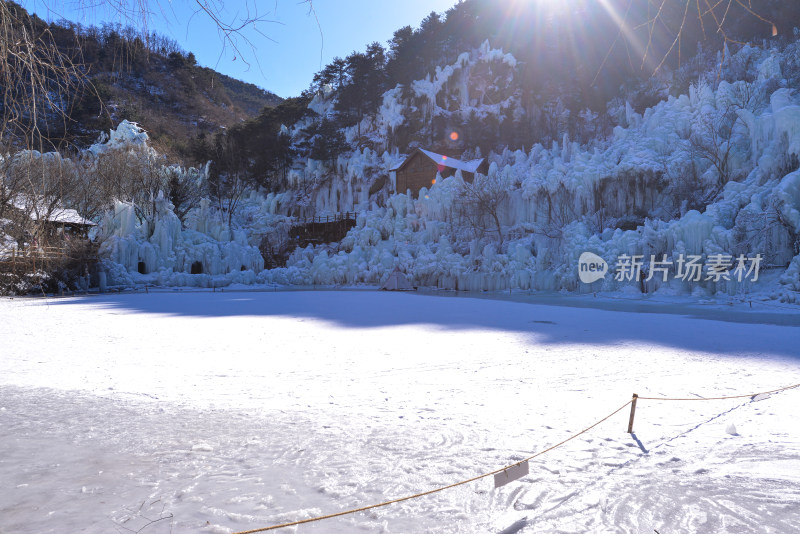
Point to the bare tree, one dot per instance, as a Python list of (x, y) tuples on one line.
[(6, 192), (131, 173), (38, 79), (778, 217), (658, 31), (478, 204), (713, 138), (558, 210), (35, 185), (185, 189), (35, 77), (228, 179)]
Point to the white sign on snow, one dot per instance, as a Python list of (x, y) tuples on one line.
[(511, 474)]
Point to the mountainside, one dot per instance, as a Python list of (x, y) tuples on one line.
[(684, 183), (123, 75), (543, 70), (176, 100), (709, 177)]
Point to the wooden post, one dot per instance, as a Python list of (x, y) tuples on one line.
[(633, 412)]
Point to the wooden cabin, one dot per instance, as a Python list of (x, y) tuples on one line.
[(46, 222), (67, 222), (420, 168)]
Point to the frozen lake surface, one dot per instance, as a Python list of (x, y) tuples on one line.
[(222, 412)]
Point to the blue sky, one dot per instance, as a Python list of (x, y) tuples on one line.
[(284, 61)]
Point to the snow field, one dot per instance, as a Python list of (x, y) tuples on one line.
[(234, 411)]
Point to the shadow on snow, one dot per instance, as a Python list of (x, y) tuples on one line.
[(548, 319)]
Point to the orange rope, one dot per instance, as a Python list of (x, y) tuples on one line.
[(496, 471), (719, 398), (435, 490)]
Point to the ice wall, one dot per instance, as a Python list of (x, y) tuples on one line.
[(710, 172), (168, 254), (156, 248)]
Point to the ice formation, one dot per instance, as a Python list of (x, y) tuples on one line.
[(124, 135), (711, 172), (160, 250), (167, 254), (666, 183)]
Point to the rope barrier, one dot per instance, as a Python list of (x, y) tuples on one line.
[(719, 398), (496, 471), (435, 490)]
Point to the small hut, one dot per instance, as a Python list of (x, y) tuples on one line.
[(420, 168), (67, 222), (48, 220)]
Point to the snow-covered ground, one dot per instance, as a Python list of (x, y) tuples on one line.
[(222, 412)]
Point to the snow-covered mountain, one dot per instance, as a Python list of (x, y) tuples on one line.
[(698, 194), (712, 173)]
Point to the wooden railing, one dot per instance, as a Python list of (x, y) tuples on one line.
[(34, 256), (338, 217), (305, 231), (37, 252)]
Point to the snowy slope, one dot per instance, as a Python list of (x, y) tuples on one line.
[(239, 410), (710, 172)]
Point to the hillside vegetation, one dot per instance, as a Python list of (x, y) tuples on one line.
[(625, 133), (123, 75)]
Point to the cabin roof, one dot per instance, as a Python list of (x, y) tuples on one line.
[(57, 215), (443, 161)]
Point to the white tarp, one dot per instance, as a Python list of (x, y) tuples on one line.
[(397, 281), (453, 163)]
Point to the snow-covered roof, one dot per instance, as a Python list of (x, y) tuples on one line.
[(446, 161), (68, 216), (453, 163), (56, 215)]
